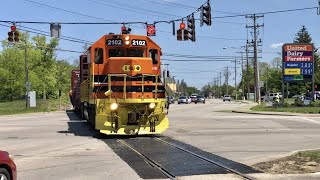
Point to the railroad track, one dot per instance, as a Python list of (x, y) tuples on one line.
[(138, 149)]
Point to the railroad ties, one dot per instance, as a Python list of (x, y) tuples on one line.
[(158, 158)]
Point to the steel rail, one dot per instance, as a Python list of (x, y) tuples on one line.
[(150, 161), (208, 160)]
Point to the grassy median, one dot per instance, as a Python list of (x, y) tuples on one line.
[(298, 163), (291, 109), (43, 105)]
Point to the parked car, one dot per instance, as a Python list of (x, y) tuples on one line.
[(193, 97), (8, 170), (272, 96), (183, 99), (201, 99), (226, 98)]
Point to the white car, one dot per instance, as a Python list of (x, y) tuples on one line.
[(226, 98), (183, 99), (189, 99), (272, 96)]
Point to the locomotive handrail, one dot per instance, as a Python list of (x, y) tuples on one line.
[(125, 84)]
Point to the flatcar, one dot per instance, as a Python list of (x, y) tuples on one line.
[(122, 89)]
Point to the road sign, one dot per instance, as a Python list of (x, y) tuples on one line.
[(297, 62), (261, 84), (151, 30)]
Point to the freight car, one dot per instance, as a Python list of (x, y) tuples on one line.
[(121, 89)]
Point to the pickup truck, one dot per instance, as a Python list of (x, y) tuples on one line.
[(193, 97)]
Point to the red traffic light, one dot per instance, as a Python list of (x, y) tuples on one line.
[(123, 28), (13, 28), (182, 25)]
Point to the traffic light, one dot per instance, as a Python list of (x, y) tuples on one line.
[(16, 36), (10, 36), (124, 30), (13, 35), (179, 35), (185, 35), (206, 14), (191, 28)]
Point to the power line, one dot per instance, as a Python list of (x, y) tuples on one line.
[(197, 60), (63, 37), (56, 49), (288, 10), (43, 33), (169, 21), (172, 4), (194, 56), (122, 5), (68, 11)]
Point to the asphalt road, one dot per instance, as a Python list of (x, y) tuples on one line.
[(59, 146)]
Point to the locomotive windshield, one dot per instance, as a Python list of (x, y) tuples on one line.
[(126, 52)]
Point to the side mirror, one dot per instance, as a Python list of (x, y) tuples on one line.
[(98, 55)]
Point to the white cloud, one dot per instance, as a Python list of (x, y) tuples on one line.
[(276, 45)]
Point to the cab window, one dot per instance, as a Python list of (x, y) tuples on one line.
[(116, 52), (153, 53), (135, 53), (98, 55)]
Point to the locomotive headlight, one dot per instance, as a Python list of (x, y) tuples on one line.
[(127, 42), (114, 106), (127, 38), (152, 105)]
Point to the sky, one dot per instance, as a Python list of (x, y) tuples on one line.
[(223, 38)]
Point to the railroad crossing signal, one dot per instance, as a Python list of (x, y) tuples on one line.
[(191, 28), (13, 35), (205, 16)]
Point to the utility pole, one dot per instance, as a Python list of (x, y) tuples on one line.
[(242, 74), (27, 73), (248, 75), (235, 78), (227, 80), (267, 93), (220, 85), (255, 55), (215, 86)]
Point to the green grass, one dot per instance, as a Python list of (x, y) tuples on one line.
[(19, 106), (291, 109), (314, 155)]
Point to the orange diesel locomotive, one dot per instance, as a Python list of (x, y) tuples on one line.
[(121, 90)]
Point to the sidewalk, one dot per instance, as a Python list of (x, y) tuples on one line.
[(246, 110)]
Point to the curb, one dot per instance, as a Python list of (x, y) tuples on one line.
[(262, 113)]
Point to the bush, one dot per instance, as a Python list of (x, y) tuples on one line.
[(315, 104), (285, 104)]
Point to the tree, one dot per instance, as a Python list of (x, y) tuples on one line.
[(303, 36), (46, 74)]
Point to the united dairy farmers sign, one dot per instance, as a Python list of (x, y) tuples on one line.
[(297, 62)]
